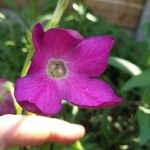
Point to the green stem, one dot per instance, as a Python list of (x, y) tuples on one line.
[(77, 145), (27, 63), (29, 55), (56, 17), (74, 113)]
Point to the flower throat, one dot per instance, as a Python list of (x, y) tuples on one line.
[(56, 69)]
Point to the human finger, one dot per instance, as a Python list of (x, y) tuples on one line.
[(18, 130)]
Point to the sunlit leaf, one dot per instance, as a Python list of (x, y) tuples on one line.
[(124, 65), (138, 81), (143, 116)]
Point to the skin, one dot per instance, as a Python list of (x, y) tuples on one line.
[(18, 130)]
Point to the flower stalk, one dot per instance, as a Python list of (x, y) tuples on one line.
[(28, 57), (56, 17), (27, 63)]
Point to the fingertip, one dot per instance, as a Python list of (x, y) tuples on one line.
[(67, 133), (79, 129)]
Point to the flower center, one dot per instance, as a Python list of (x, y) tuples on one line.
[(56, 69)]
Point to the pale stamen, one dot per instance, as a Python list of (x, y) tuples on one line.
[(56, 69)]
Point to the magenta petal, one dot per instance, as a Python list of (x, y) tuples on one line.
[(91, 55), (90, 93), (7, 106), (38, 58), (59, 41), (38, 95), (37, 35)]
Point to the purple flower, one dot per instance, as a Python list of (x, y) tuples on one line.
[(6, 100), (64, 67)]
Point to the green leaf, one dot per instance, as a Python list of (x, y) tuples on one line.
[(137, 81), (143, 116), (124, 65)]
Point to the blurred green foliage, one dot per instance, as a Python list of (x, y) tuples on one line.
[(125, 127)]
